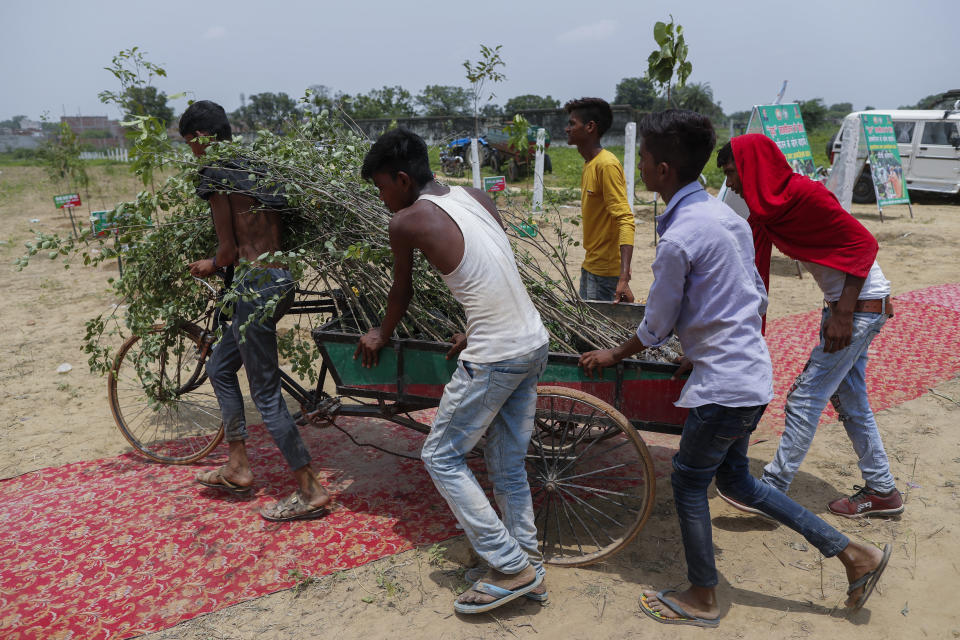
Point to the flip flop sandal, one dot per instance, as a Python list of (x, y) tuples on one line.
[(870, 579), (292, 508), (685, 618), (219, 482), (503, 596), (476, 574)]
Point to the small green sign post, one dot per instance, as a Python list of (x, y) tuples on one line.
[(783, 123), (68, 201), (493, 184), (883, 155)]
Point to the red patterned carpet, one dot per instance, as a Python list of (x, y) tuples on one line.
[(118, 547)]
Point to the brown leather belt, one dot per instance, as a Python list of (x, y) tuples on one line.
[(882, 305)]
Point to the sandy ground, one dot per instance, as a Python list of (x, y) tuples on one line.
[(773, 585)]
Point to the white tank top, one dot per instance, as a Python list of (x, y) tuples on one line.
[(830, 281), (502, 322)]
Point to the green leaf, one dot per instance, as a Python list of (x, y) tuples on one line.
[(660, 32)]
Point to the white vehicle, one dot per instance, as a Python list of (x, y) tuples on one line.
[(929, 144)]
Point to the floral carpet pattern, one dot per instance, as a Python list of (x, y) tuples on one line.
[(121, 546), (118, 547)]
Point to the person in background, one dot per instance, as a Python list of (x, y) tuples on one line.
[(608, 226)]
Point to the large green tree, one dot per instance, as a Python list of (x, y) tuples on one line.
[(270, 111), (386, 102), (12, 123), (639, 93), (146, 101), (814, 113), (323, 97), (698, 96), (529, 101), (443, 100)]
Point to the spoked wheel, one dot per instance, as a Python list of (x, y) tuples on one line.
[(161, 398), (591, 475)]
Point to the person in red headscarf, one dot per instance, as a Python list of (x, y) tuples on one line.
[(806, 222)]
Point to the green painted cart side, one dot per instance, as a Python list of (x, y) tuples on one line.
[(412, 373)]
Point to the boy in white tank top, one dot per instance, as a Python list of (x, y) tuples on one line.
[(493, 392)]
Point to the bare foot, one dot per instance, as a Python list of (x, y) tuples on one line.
[(858, 560), (697, 601), (498, 579)]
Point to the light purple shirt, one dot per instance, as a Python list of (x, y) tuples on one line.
[(707, 288)]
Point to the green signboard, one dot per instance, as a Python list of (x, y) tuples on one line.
[(884, 157), (68, 200), (783, 124), (101, 222), (492, 184)]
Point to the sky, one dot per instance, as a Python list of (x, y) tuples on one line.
[(883, 53)]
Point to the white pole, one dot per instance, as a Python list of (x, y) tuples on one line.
[(538, 170), (475, 163), (630, 159)]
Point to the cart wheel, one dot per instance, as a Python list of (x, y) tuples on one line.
[(591, 475), (183, 424), (513, 170), (495, 161)]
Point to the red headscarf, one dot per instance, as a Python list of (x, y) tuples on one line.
[(797, 214)]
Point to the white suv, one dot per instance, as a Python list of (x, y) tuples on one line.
[(929, 143)]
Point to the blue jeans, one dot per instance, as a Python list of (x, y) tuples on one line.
[(714, 443), (497, 400), (256, 352), (839, 378), (594, 287)]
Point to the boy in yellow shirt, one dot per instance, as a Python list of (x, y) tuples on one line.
[(608, 225)]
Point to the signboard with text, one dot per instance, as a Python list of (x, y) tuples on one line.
[(884, 158), (67, 200), (492, 184), (783, 124), (102, 223)]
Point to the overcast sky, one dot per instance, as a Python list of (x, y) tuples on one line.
[(883, 53)]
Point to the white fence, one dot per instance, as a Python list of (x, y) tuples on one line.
[(117, 155)]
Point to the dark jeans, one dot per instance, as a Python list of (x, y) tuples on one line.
[(714, 443), (594, 287), (256, 352)]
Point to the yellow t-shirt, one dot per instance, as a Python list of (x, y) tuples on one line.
[(607, 220)]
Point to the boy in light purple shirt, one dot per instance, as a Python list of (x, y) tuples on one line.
[(707, 288)]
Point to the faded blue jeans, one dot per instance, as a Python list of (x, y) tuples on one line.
[(839, 378), (497, 400), (594, 287), (256, 352), (714, 443)]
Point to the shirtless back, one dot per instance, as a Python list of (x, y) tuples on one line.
[(245, 225)]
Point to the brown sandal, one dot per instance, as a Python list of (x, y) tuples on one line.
[(216, 480), (291, 508)]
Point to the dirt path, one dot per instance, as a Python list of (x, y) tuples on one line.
[(772, 586)]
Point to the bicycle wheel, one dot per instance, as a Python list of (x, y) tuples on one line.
[(178, 424), (591, 475)]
